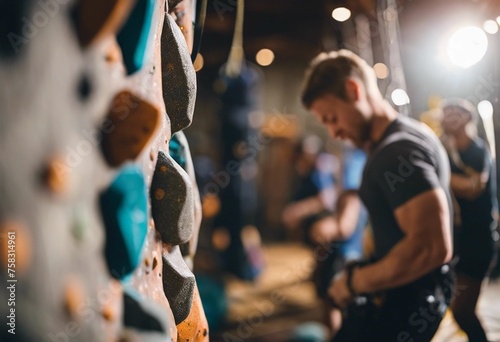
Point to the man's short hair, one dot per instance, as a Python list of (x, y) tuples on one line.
[(328, 72)]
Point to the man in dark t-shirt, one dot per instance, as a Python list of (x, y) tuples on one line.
[(407, 161), (403, 294)]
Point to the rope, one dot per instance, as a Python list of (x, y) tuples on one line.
[(235, 60)]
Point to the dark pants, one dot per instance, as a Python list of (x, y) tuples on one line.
[(408, 314)]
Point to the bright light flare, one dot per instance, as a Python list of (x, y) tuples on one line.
[(400, 97), (485, 109), (467, 46), (341, 14)]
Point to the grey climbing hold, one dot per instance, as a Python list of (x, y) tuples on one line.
[(172, 202), (178, 76), (143, 319), (178, 284)]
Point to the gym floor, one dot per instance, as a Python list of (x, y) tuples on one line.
[(283, 298)]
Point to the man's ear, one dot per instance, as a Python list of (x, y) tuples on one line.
[(352, 89)]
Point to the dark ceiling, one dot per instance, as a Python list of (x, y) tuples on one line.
[(298, 30), (285, 26)]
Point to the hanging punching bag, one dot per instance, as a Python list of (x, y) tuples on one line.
[(241, 82)]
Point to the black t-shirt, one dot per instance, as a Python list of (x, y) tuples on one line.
[(407, 161), (477, 214)]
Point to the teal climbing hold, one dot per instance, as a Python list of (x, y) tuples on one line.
[(177, 151), (133, 37), (124, 211)]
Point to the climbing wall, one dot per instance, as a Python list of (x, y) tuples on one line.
[(94, 212)]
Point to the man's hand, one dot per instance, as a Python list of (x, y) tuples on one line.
[(469, 186), (291, 216), (339, 292), (295, 212), (324, 230)]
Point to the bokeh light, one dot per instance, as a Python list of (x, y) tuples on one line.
[(490, 26), (485, 109), (400, 97), (467, 46), (381, 70), (341, 14), (198, 62), (264, 57)]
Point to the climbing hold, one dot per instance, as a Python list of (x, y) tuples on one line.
[(132, 122), (134, 35), (84, 87), (96, 19), (144, 318), (15, 240), (54, 176), (178, 284), (74, 295), (142, 314), (178, 76), (177, 149), (124, 211), (113, 53), (172, 204)]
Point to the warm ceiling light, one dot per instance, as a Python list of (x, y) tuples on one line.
[(381, 70), (341, 14), (490, 26), (198, 62), (498, 20), (467, 46), (264, 57), (400, 97)]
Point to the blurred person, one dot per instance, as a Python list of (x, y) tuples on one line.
[(349, 210), (314, 196), (473, 184), (405, 188), (339, 237), (334, 226)]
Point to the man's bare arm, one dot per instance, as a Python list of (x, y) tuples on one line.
[(348, 210), (425, 220)]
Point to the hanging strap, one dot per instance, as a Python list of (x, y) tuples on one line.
[(199, 24)]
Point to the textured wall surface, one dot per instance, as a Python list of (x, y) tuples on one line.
[(83, 122)]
